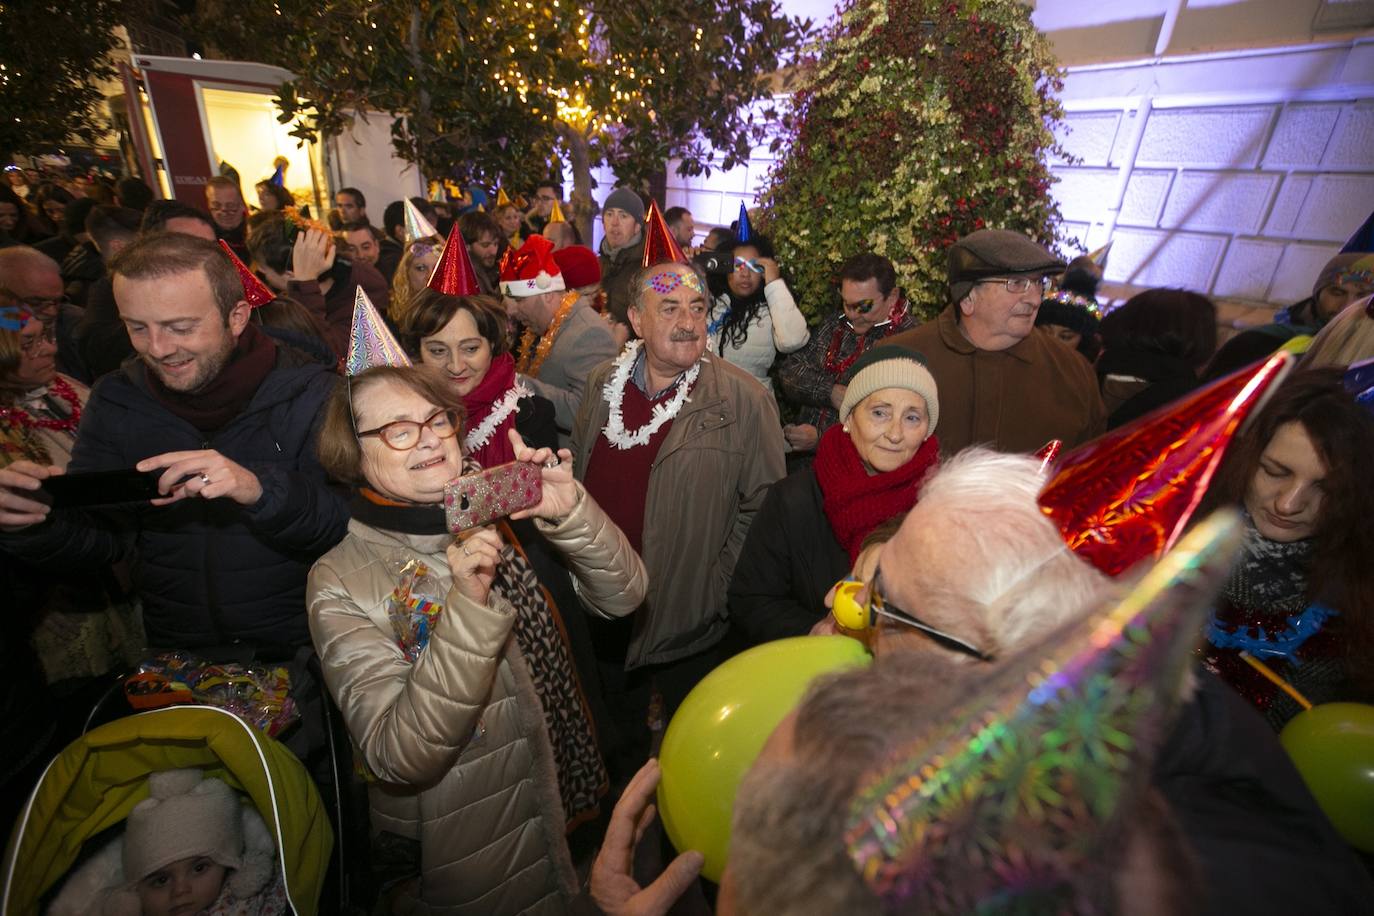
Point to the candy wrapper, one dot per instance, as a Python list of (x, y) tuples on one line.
[(257, 694), (414, 606)]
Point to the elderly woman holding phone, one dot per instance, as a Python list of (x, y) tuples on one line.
[(443, 654)]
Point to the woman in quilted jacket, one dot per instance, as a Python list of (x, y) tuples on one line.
[(445, 656)]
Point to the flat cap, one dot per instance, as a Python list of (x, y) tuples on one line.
[(996, 253)]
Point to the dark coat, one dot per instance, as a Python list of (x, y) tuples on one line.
[(534, 421), (1263, 845), (101, 338), (210, 572), (789, 561), (618, 269)]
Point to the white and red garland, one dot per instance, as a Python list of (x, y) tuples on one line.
[(614, 395), (480, 434)]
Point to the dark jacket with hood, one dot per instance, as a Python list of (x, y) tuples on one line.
[(209, 572)]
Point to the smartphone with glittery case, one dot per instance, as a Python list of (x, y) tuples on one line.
[(478, 499)]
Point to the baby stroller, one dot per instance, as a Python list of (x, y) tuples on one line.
[(96, 781)]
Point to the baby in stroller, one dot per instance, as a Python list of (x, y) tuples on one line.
[(191, 847)]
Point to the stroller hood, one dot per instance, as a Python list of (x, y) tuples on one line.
[(96, 781)]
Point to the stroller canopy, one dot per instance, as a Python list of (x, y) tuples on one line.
[(96, 781)]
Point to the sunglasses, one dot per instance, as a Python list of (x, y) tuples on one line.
[(859, 605)]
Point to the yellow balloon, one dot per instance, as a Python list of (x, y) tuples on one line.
[(721, 726)]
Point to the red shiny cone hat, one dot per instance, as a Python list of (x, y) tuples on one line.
[(453, 275), (256, 292), (1128, 495), (659, 245)]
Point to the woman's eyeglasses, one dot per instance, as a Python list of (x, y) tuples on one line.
[(754, 266), (29, 343), (403, 435), (857, 608)]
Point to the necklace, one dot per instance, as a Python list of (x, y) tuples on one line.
[(480, 434), (836, 366), (614, 395), (532, 357), (18, 416)]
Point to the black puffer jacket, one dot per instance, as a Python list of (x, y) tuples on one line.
[(210, 573)]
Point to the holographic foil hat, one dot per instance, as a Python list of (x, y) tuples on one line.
[(1020, 800), (370, 342)]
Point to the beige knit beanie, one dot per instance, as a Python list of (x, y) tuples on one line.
[(890, 367)]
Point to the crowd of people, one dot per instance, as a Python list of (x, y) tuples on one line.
[(300, 394)]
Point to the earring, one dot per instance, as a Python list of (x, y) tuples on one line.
[(844, 428)]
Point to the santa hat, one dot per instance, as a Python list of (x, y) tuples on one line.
[(256, 292), (417, 227), (1022, 797), (1128, 495), (580, 266), (453, 275), (659, 245), (370, 342), (532, 270)]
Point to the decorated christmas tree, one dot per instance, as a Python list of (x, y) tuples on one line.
[(915, 123)]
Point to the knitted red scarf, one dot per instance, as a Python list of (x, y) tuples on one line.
[(855, 503), (481, 400)]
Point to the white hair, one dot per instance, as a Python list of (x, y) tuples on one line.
[(977, 556)]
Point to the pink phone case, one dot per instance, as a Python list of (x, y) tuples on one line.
[(481, 498)]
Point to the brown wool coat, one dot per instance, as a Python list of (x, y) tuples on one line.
[(1014, 400)]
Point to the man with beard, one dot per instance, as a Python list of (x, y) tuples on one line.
[(1007, 386), (483, 239), (225, 417), (680, 448)]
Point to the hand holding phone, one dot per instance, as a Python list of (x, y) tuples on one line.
[(493, 493)]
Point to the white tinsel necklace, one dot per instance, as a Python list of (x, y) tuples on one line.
[(480, 434), (614, 395)]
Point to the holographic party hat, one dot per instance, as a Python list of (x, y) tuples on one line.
[(453, 275), (659, 245), (256, 292), (743, 232), (370, 342), (1129, 494), (417, 227), (1021, 798)]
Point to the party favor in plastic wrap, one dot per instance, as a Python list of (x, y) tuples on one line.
[(258, 694), (414, 606)]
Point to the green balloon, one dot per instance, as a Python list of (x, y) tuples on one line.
[(721, 726), (1333, 748)]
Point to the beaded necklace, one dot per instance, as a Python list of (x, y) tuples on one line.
[(18, 416), (836, 366), (532, 357)]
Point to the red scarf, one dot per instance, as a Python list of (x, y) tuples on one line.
[(481, 400), (227, 394), (856, 502)]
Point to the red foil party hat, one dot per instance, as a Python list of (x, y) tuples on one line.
[(1129, 494), (453, 275), (255, 291), (659, 245)]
